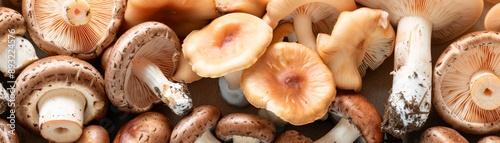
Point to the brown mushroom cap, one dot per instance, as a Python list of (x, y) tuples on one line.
[(51, 33), (94, 134), (149, 126), (7, 133), (247, 125), (11, 23), (489, 139), (491, 20), (441, 134), (202, 118), (453, 76), (56, 72), (292, 136)]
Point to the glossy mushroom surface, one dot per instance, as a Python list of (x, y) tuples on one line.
[(151, 127)]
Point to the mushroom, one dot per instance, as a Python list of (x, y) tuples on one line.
[(292, 136), (183, 16), (360, 39), (254, 7), (441, 134), (304, 14), (491, 20), (467, 83), (226, 46), (489, 139), (245, 128), (151, 127), (57, 95), (419, 23), (4, 96), (197, 126), (492, 1), (291, 81), (139, 69), (184, 72), (94, 134), (281, 31), (8, 133), (80, 28), (15, 51)]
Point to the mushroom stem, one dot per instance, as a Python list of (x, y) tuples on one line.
[(61, 115), (230, 89), (409, 102), (207, 137), (243, 139), (76, 12), (303, 29), (175, 95), (342, 132), (484, 85), (184, 72)]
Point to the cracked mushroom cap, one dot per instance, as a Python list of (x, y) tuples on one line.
[(80, 28), (292, 136), (94, 134), (53, 73), (466, 83), (153, 41), (449, 18), (491, 20), (489, 139), (7, 134), (149, 126), (441, 134), (291, 81), (237, 125), (202, 119)]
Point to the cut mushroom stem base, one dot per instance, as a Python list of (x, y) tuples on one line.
[(76, 12), (175, 95), (230, 89), (207, 137), (484, 87), (342, 132), (244, 139), (61, 115)]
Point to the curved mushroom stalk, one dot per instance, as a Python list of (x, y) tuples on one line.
[(17, 53), (184, 72), (342, 132), (230, 89), (485, 90), (175, 95)]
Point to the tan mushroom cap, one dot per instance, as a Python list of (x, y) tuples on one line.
[(94, 134), (491, 20), (254, 7), (489, 139), (449, 18), (492, 1), (244, 124), (58, 72), (7, 134), (11, 23), (291, 81), (229, 43), (201, 119), (469, 60), (55, 36), (147, 127), (441, 134), (281, 31), (292, 136)]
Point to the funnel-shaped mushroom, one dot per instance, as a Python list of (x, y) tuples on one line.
[(139, 69), (226, 46), (80, 28), (254, 7), (492, 20), (291, 81), (418, 23), (147, 127), (57, 95), (4, 96), (360, 39), (467, 83), (8, 134)]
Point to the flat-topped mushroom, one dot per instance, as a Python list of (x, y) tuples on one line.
[(419, 23), (94, 134), (441, 134), (7, 134), (489, 139), (150, 127), (139, 68), (57, 95), (4, 96), (292, 136), (254, 7), (491, 19), (467, 84), (197, 126), (80, 28), (245, 128)]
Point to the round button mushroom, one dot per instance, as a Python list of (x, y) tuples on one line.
[(491, 19), (148, 127), (292, 136), (94, 134), (197, 126), (419, 23), (57, 95), (7, 133), (245, 128), (441, 134), (139, 67), (489, 139), (467, 83), (80, 28)]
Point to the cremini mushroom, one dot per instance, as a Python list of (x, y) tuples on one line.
[(245, 128), (441, 134), (4, 96), (183, 16), (16, 52), (197, 126), (491, 19), (80, 28), (8, 133), (292, 136), (226, 46), (254, 7), (489, 139), (94, 134), (360, 39), (291, 81), (57, 95), (139, 69), (151, 127), (305, 14), (419, 23), (467, 84)]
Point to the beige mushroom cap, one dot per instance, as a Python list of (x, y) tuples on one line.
[(254, 7), (492, 20), (441, 134), (7, 134), (11, 23), (202, 118), (489, 139), (492, 1), (243, 124), (94, 134), (147, 127), (292, 136)]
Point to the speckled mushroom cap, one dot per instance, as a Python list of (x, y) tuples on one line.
[(292, 136), (4, 94), (441, 134), (151, 40), (151, 127), (201, 119), (453, 74), (11, 23), (54, 36), (94, 134), (7, 134), (489, 139), (57, 72), (244, 124), (361, 113)]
